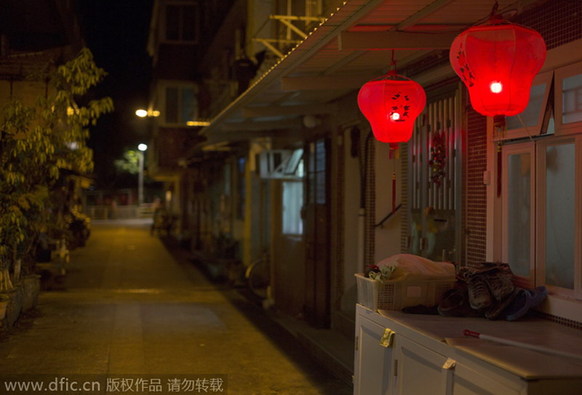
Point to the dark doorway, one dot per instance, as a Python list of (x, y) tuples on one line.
[(317, 233)]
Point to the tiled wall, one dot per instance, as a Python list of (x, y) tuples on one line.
[(475, 210)]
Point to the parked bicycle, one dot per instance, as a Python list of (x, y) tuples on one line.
[(258, 276)]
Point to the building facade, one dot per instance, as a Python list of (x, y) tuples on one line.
[(266, 153)]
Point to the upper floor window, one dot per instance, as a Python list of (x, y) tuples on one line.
[(569, 97), (181, 22), (531, 121), (555, 106), (181, 105)]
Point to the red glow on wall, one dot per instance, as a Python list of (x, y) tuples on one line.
[(498, 62), (391, 104)]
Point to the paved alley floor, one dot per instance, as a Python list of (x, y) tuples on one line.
[(137, 319)]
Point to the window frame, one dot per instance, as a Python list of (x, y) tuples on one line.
[(162, 94), (561, 74), (541, 189), (196, 23), (537, 270), (562, 63), (535, 130), (508, 150)]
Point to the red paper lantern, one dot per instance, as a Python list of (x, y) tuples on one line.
[(391, 104), (497, 62)]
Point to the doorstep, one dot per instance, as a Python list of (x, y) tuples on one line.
[(333, 350)]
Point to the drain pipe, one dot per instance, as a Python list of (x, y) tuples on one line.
[(361, 227), (363, 155)]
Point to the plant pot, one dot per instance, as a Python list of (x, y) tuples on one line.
[(14, 307), (5, 281), (31, 290), (3, 307)]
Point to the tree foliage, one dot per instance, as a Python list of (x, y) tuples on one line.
[(129, 163), (41, 142)]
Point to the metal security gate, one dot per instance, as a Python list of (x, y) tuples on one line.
[(435, 180)]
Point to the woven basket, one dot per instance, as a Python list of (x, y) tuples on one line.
[(397, 294)]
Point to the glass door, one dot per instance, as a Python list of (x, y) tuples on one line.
[(557, 210), (539, 211), (518, 208)]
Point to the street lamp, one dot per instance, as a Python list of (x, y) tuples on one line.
[(140, 156), (142, 113)]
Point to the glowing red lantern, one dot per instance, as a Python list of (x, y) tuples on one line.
[(391, 104), (497, 62)]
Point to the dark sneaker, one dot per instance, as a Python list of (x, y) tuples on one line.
[(496, 310), (500, 285), (455, 303), (479, 296), (525, 300)]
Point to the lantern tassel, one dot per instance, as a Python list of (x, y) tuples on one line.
[(393, 191), (394, 152)]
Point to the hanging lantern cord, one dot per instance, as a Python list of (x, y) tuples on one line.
[(494, 9), (393, 63), (495, 17)]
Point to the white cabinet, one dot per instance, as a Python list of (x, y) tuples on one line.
[(389, 363), (372, 368), (470, 381), (400, 354), (421, 370)]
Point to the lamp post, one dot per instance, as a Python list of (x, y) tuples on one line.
[(140, 156)]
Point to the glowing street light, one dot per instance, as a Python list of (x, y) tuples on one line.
[(147, 113)]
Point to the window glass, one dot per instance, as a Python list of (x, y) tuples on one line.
[(292, 205), (181, 23), (519, 212), (531, 115), (172, 105), (172, 22), (572, 99), (551, 126), (189, 23), (181, 105), (189, 105), (560, 227), (294, 165)]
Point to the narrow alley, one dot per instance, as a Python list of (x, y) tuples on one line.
[(132, 313)]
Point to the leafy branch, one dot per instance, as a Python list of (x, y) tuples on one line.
[(40, 143)]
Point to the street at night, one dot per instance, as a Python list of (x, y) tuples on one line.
[(362, 197), (132, 309)]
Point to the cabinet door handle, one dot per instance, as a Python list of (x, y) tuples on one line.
[(449, 364), (387, 338)]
